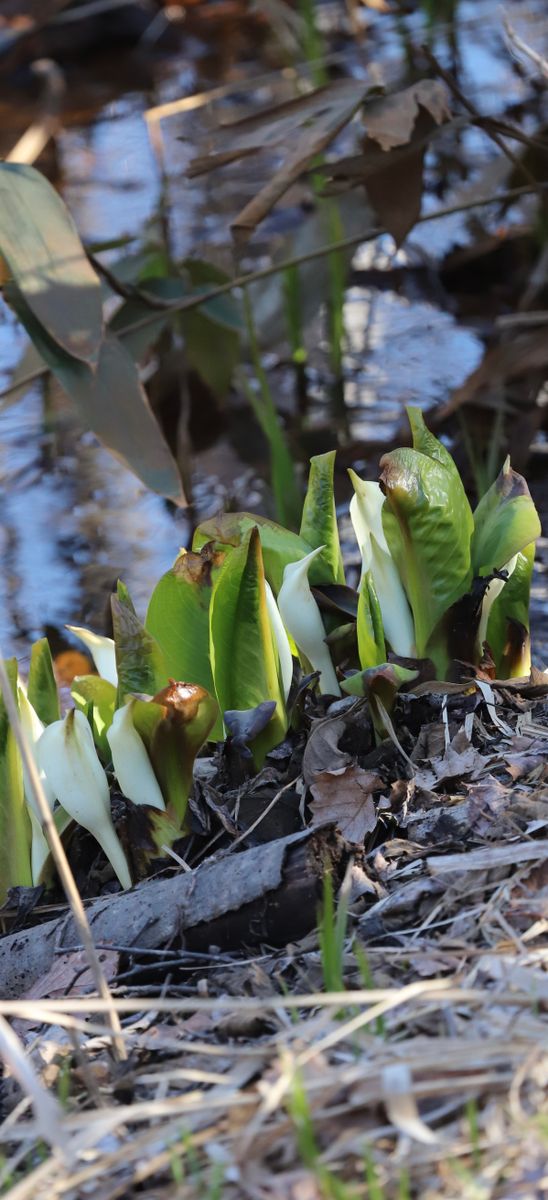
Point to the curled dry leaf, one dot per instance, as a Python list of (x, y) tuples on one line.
[(344, 797)]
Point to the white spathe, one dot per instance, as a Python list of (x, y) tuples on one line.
[(302, 618), (366, 516), (282, 640), (132, 766), (102, 651), (66, 753)]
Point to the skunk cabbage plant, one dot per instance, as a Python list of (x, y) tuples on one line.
[(442, 589)]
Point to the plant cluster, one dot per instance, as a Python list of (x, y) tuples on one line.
[(443, 591)]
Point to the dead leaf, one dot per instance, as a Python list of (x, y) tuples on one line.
[(460, 759), (70, 975), (322, 749), (343, 797), (302, 128)]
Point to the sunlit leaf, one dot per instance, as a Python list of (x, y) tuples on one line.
[(42, 688), (40, 244), (505, 521), (244, 655), (178, 618), (139, 659), (279, 546), (428, 524), (110, 401), (371, 645), (319, 521), (96, 696)]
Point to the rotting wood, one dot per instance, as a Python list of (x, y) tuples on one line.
[(267, 894)]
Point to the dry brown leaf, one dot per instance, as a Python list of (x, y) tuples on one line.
[(344, 797), (390, 120), (303, 128), (460, 759)]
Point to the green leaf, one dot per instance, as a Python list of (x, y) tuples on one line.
[(40, 244), (508, 626), (97, 698), (15, 826), (243, 650), (428, 525), (279, 546), (42, 688), (139, 660), (505, 521), (319, 521), (371, 646), (110, 401), (178, 618)]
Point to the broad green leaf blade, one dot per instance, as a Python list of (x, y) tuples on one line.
[(505, 521), (112, 403), (279, 546), (244, 656), (139, 659), (428, 525), (508, 626), (42, 688), (39, 241), (371, 647), (319, 521), (97, 697), (15, 826), (427, 443), (178, 618)]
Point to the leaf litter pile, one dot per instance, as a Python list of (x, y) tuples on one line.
[(397, 1048)]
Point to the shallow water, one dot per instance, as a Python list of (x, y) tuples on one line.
[(72, 519)]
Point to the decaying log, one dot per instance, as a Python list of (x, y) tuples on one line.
[(267, 894)]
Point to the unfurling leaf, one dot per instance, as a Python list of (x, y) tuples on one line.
[(279, 546), (379, 568), (174, 726), (319, 521), (371, 646), (508, 626), (243, 647), (178, 617), (41, 687), (141, 666), (428, 525), (505, 522), (96, 697)]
